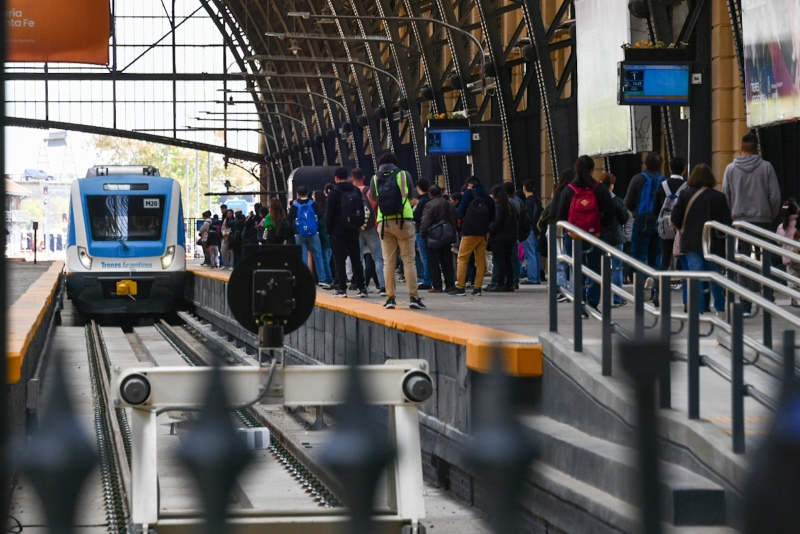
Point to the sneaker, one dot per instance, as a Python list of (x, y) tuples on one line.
[(401, 279), (747, 309), (459, 292), (390, 304), (326, 286), (529, 283), (561, 298), (416, 304), (493, 289), (382, 291), (422, 287), (468, 284), (340, 294), (352, 286), (362, 294), (477, 292), (434, 290)]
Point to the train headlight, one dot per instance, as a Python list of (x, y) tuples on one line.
[(84, 257), (166, 259)]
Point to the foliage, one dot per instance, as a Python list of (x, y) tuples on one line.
[(178, 163), (443, 116), (656, 45)]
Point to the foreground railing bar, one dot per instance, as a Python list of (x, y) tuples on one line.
[(605, 302), (552, 287), (577, 292), (664, 376), (788, 356), (693, 348), (766, 318), (737, 379)]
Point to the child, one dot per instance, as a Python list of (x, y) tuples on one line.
[(788, 229)]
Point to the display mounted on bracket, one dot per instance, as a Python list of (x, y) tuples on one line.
[(450, 137), (654, 83)]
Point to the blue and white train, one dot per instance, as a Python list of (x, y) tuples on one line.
[(126, 245)]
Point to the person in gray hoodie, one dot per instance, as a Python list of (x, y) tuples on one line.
[(751, 187)]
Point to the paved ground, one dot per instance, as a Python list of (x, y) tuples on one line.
[(21, 275)]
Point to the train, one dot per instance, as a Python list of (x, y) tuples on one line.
[(126, 242)]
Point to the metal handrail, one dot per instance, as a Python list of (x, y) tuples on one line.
[(717, 278), (760, 301), (739, 389), (761, 232)]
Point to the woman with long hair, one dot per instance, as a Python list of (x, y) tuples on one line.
[(277, 229), (502, 239), (698, 203), (548, 217), (614, 234), (584, 167)]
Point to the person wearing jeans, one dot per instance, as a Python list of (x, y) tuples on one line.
[(422, 247), (697, 204), (530, 245), (307, 243), (370, 241)]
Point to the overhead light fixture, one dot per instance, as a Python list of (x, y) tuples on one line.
[(328, 37), (294, 48)]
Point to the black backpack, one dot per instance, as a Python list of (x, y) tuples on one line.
[(390, 199), (351, 209), (524, 224), (369, 213), (478, 217)]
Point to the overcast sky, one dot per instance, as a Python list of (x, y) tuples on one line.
[(23, 146)]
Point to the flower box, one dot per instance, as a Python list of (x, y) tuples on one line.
[(660, 55), (448, 123)]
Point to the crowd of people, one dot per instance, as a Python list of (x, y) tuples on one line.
[(660, 221), (388, 228)]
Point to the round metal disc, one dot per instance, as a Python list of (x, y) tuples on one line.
[(240, 285)]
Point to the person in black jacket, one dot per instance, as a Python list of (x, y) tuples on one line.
[(440, 259), (532, 209), (344, 240), (584, 167), (474, 227), (422, 249), (708, 205), (503, 238), (614, 235)]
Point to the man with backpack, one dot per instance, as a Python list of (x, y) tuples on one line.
[(392, 189), (369, 239), (529, 218), (344, 217), (515, 204), (640, 199), (664, 203), (305, 216), (476, 211)]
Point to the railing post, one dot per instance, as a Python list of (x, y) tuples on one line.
[(638, 304), (693, 347), (552, 287), (737, 379), (605, 306), (577, 294), (664, 377), (766, 292), (730, 255), (788, 357)]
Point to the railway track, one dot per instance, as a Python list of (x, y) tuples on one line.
[(165, 345)]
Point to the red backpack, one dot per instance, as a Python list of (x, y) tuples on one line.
[(584, 212)]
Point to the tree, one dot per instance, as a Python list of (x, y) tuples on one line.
[(178, 163)]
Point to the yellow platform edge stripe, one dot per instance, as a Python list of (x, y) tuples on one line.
[(25, 316), (522, 355)]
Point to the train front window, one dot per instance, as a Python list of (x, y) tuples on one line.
[(126, 217)]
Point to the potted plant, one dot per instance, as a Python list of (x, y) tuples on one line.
[(447, 120), (658, 51)]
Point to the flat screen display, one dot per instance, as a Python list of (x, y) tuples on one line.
[(448, 142), (654, 84)]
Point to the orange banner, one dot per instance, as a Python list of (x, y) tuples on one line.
[(74, 31)]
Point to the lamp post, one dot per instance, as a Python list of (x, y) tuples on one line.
[(484, 55)]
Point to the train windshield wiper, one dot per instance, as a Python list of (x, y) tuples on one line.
[(122, 242)]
